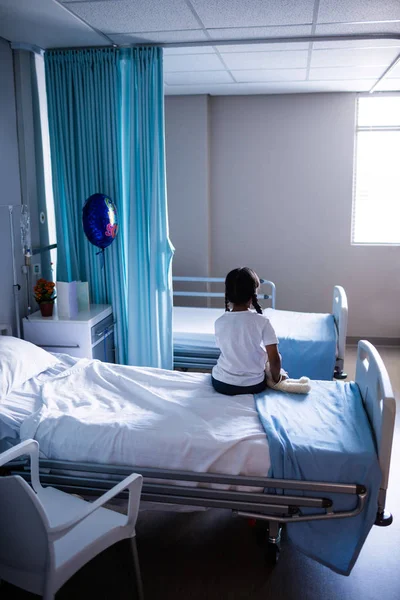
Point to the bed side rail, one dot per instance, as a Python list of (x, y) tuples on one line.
[(161, 485), (373, 381), (265, 285), (340, 314)]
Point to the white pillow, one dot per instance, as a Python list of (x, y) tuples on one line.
[(19, 361)]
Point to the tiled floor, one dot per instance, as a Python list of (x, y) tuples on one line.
[(212, 555)]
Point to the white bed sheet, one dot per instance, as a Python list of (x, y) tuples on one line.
[(27, 399), (112, 414), (194, 326)]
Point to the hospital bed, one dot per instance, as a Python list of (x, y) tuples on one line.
[(311, 344), (193, 446)]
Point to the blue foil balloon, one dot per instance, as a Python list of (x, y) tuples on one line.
[(100, 221)]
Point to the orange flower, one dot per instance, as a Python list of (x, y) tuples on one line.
[(44, 291)]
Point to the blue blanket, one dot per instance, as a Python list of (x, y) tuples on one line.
[(307, 342), (324, 436)]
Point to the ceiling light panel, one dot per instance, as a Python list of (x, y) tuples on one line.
[(355, 44), (197, 62), (346, 11), (353, 57), (258, 75), (125, 16), (250, 13), (265, 60), (346, 73), (358, 28), (188, 50), (247, 33), (197, 78)]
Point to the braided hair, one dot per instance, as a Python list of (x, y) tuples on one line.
[(241, 286)]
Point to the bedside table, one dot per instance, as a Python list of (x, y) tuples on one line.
[(88, 335)]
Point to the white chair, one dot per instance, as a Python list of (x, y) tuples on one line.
[(47, 535)]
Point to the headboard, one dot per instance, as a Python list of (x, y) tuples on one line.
[(377, 394), (264, 283)]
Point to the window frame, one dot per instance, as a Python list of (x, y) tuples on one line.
[(356, 130)]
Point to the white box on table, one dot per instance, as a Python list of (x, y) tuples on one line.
[(67, 299)]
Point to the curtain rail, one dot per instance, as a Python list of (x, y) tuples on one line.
[(276, 40), (245, 41)]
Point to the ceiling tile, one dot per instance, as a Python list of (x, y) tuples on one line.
[(159, 37), (353, 57), (240, 33), (188, 50), (346, 73), (196, 62), (354, 28), (250, 13), (46, 24), (331, 11), (265, 60), (197, 78), (355, 44), (388, 85), (263, 47), (343, 85), (125, 16), (258, 75), (394, 73)]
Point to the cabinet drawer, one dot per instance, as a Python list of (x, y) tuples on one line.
[(53, 334), (105, 349), (102, 328)]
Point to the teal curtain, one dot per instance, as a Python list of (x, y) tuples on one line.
[(106, 125), (146, 220)]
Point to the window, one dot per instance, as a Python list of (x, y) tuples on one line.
[(49, 214), (376, 202)]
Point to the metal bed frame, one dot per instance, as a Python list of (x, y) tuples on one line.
[(274, 507), (206, 358)]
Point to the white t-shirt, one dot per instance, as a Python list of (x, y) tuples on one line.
[(242, 336)]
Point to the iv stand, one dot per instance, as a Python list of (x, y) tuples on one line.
[(16, 286)]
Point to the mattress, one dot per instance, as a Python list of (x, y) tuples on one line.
[(91, 411), (307, 341)]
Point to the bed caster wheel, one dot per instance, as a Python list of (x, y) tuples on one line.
[(339, 375), (384, 518), (272, 554), (261, 533), (273, 548)]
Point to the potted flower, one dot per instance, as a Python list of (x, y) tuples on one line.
[(45, 295)]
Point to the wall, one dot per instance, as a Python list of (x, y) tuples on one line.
[(187, 148), (10, 182), (187, 158), (281, 177)]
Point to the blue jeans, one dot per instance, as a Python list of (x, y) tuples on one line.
[(235, 390)]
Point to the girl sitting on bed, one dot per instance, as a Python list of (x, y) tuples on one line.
[(246, 339)]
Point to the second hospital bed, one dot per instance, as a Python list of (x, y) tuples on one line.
[(97, 422), (311, 344)]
